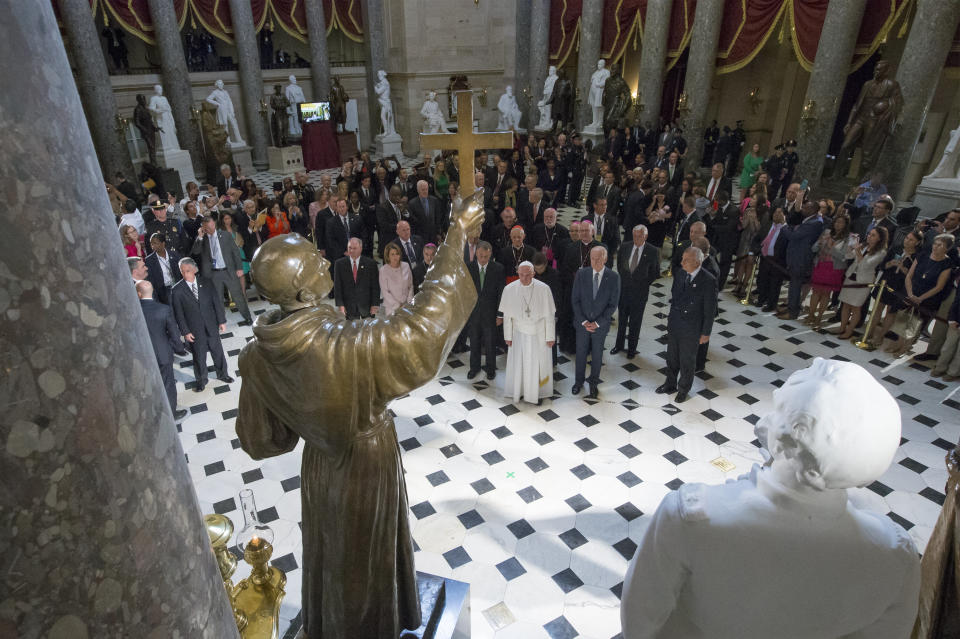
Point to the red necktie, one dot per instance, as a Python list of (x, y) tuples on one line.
[(713, 189), (354, 272)]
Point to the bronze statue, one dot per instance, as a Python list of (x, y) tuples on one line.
[(872, 118), (310, 373), (278, 116), (562, 101), (616, 99), (214, 139), (338, 104), (147, 127), (939, 612)]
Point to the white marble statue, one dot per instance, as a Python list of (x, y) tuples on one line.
[(295, 96), (509, 111), (545, 105), (162, 114), (433, 121), (226, 116), (595, 98), (781, 552), (382, 89), (947, 167)]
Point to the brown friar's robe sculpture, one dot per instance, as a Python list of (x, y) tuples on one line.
[(939, 613), (310, 373)]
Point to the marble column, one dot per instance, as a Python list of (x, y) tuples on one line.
[(251, 79), (176, 78), (319, 59), (522, 47), (701, 65), (374, 38), (539, 56), (103, 536), (929, 42), (830, 70), (653, 59), (93, 84), (591, 25)]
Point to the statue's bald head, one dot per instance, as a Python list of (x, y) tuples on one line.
[(289, 272)]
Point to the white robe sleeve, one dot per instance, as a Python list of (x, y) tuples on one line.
[(507, 309)]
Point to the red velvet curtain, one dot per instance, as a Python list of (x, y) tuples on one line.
[(622, 26), (746, 27), (564, 29)]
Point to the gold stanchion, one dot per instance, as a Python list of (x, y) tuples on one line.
[(864, 342), (753, 274)]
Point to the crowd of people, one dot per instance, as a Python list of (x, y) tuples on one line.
[(647, 215)]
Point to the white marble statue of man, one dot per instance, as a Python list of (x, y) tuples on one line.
[(433, 121), (947, 167), (226, 116), (595, 98), (163, 117), (382, 89), (545, 104), (781, 552), (509, 111), (295, 96)]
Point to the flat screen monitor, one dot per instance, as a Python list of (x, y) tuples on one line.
[(314, 111)]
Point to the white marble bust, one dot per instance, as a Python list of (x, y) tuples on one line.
[(294, 94), (433, 121), (781, 552)]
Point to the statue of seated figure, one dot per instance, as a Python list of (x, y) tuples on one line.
[(781, 552)]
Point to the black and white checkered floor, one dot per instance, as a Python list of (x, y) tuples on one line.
[(540, 508)]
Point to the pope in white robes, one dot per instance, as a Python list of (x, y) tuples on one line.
[(528, 329)]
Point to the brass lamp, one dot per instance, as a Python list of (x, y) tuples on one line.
[(754, 98), (808, 115)]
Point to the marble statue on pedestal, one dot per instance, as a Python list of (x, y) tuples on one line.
[(294, 94), (433, 121), (546, 101), (947, 167), (382, 89), (595, 98), (781, 552), (163, 118), (509, 111), (226, 116)]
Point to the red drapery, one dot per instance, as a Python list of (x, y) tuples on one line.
[(564, 29), (622, 26), (214, 16)]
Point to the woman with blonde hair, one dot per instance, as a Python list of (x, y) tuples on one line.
[(396, 280), (859, 278), (132, 241)]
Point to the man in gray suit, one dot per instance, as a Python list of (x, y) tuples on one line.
[(221, 264), (596, 293)]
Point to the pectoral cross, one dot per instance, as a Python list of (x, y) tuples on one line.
[(465, 141)]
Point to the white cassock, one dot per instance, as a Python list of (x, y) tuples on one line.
[(528, 322)]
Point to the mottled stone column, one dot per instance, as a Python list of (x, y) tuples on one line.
[(251, 80), (319, 59), (929, 42), (176, 78), (653, 58), (829, 76), (374, 37), (102, 535), (539, 56), (93, 83), (522, 45), (701, 65), (591, 24)]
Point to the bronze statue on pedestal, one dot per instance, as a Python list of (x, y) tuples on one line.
[(278, 116), (311, 373), (147, 127), (616, 99), (338, 104), (873, 118)]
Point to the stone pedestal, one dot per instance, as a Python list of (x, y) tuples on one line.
[(593, 133), (387, 145), (286, 159), (179, 160), (937, 195), (241, 157)]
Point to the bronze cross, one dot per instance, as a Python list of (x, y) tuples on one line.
[(465, 141)]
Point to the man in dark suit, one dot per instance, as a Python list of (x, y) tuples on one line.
[(368, 211), (411, 246), (606, 228), (718, 183), (530, 209), (882, 209), (420, 270), (549, 237), (388, 214), (425, 212), (772, 249), (674, 169), (596, 293), (515, 254), (610, 192), (227, 180), (791, 203), (356, 283), (498, 186), (165, 338), (163, 268), (689, 216), (221, 264), (723, 233), (800, 258), (635, 207), (639, 265), (576, 255), (488, 276), (692, 309), (340, 228), (201, 319)]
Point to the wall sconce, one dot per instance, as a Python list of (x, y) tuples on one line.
[(576, 96), (683, 105), (638, 104), (264, 107), (808, 115), (482, 97), (754, 98), (120, 125)]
